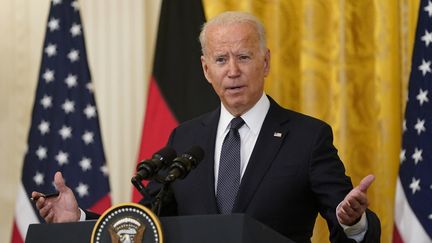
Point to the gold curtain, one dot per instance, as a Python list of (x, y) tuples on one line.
[(346, 62)]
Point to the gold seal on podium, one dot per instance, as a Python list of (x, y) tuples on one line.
[(127, 223)]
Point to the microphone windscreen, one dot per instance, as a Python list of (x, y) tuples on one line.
[(196, 152), (167, 153)]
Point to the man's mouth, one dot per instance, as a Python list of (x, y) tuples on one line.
[(234, 88)]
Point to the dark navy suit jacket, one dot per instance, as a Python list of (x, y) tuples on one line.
[(293, 174)]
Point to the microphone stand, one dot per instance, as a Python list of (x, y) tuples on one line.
[(140, 187), (157, 204)]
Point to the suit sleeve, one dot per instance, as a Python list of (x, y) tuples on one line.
[(91, 215), (330, 185)]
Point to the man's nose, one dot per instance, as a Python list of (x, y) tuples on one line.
[(233, 69)]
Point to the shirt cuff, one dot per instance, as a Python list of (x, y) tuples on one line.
[(357, 231), (83, 215)]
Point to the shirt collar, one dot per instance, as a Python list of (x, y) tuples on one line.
[(253, 118)]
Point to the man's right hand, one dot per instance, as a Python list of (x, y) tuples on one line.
[(60, 209)]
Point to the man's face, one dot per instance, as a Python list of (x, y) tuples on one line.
[(235, 65)]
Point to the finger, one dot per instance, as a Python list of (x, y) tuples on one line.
[(343, 216), (36, 194), (365, 183), (59, 182), (45, 211), (357, 202), (349, 211), (50, 217), (40, 203), (347, 217)]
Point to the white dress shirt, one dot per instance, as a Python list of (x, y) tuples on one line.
[(254, 118)]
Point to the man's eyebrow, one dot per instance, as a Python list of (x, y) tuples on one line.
[(220, 54), (246, 53)]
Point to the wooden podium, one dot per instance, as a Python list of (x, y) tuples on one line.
[(236, 228)]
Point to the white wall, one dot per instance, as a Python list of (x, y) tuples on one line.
[(120, 36)]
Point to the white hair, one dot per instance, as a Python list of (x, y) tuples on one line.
[(230, 18)]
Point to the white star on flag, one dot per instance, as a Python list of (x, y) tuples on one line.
[(104, 169), (54, 24), (75, 5), (38, 178), (65, 132), (41, 152), (417, 156), (87, 137), (85, 164), (82, 189), (419, 126), (90, 111), (46, 101), (428, 9), (73, 55), (62, 158), (44, 127), (402, 156), (425, 67), (68, 106), (48, 75), (71, 80), (415, 185), (89, 86), (422, 96), (75, 30), (427, 38), (51, 50)]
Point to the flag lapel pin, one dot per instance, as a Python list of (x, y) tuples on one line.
[(277, 134)]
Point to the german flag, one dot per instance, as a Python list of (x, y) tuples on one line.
[(178, 90)]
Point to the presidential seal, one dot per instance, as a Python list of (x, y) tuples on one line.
[(127, 223)]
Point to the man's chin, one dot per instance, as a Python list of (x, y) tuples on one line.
[(236, 107)]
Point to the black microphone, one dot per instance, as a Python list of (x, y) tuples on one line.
[(146, 169), (183, 164)]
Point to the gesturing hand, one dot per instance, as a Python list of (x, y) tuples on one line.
[(63, 208), (355, 203)]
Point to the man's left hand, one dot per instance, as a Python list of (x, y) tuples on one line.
[(355, 203)]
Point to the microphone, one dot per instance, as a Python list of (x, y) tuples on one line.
[(146, 169), (183, 164)]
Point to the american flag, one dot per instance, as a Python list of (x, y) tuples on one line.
[(413, 208), (64, 134)]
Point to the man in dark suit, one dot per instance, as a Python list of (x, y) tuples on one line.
[(276, 165)]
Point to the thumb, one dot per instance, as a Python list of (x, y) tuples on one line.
[(59, 182), (365, 183)]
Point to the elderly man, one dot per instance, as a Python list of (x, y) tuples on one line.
[(276, 165)]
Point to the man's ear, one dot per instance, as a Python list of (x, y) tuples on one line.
[(205, 68), (267, 62)]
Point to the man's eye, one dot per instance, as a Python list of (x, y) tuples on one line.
[(220, 60), (244, 57)]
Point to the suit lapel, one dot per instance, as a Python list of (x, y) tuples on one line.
[(210, 124), (267, 146)]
